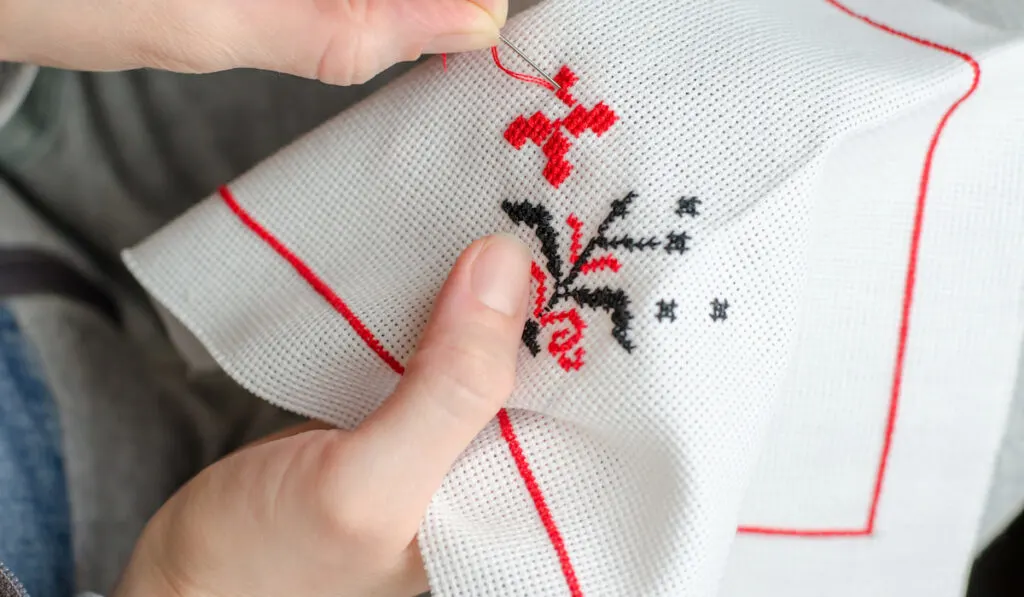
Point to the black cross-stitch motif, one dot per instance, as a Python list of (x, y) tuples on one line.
[(556, 287), (688, 207), (719, 310), (628, 243), (666, 310), (677, 242)]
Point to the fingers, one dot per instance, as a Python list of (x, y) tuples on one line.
[(359, 46), (338, 41), (461, 374)]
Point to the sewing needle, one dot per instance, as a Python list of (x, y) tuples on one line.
[(528, 61)]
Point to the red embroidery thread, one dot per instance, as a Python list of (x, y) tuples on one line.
[(565, 340), (313, 280), (555, 537), (542, 289), (601, 264), (908, 291), (520, 76), (507, 430), (577, 235), (566, 79), (548, 134)]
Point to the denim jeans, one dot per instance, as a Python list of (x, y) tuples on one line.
[(35, 527)]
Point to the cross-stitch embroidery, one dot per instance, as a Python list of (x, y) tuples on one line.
[(719, 310), (555, 287), (677, 242), (548, 134), (666, 310), (688, 207)]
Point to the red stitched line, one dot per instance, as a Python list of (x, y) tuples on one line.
[(542, 289), (558, 168), (908, 293), (523, 465), (507, 431), (566, 79), (601, 263), (805, 533), (908, 290), (313, 280), (577, 235), (520, 76)]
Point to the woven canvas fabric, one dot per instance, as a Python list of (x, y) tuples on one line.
[(726, 206)]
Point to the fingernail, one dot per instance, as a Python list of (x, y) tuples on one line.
[(500, 274), (464, 41)]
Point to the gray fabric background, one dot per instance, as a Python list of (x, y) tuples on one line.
[(1004, 14), (134, 426)]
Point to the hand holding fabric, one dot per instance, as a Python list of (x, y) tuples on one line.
[(324, 512), (337, 41)]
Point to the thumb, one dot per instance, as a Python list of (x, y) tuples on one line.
[(460, 376)]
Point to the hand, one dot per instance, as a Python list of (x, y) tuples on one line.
[(337, 41), (324, 512)]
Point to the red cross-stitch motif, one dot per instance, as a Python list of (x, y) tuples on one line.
[(550, 135)]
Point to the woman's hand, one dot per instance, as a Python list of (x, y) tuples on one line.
[(322, 512), (337, 41)]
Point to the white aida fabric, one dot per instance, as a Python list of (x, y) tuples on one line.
[(778, 290)]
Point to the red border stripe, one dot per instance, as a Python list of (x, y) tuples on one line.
[(752, 530), (509, 434), (313, 280), (908, 290), (507, 431)]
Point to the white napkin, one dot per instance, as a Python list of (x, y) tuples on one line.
[(730, 220)]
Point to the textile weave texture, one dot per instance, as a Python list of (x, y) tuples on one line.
[(767, 236)]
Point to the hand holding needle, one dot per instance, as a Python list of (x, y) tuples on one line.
[(532, 64)]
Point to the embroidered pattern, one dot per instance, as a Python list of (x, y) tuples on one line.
[(666, 310), (677, 242), (555, 287), (550, 135), (688, 207), (719, 310)]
